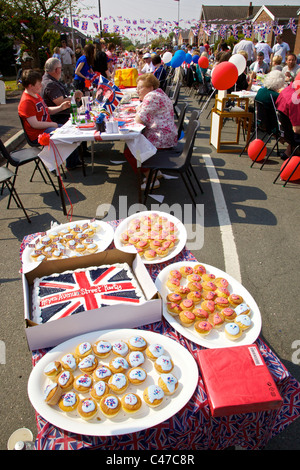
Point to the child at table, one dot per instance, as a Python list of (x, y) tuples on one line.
[(35, 114), (33, 110)]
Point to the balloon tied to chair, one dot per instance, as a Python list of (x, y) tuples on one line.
[(257, 150), (290, 169)]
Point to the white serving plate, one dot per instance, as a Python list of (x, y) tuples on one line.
[(216, 338), (185, 370), (103, 238), (181, 235)]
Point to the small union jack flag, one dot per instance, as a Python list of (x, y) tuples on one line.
[(78, 291), (108, 93)]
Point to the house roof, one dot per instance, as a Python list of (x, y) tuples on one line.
[(185, 33), (279, 12), (220, 13), (66, 29)]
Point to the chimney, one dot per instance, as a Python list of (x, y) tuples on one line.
[(250, 9)]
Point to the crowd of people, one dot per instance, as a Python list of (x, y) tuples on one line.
[(275, 68), (45, 103)]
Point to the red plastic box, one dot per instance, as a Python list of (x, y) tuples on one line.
[(237, 380)]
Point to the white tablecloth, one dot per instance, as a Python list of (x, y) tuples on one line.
[(68, 137)]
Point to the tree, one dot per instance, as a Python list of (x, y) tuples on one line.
[(28, 20)]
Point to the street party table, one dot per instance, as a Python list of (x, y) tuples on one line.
[(64, 140), (193, 427), (68, 137)]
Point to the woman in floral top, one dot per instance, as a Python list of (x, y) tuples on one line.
[(155, 112)]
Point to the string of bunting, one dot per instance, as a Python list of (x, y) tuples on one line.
[(124, 26)]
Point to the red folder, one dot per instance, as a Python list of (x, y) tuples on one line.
[(237, 380)]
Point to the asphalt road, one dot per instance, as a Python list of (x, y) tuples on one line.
[(251, 230)]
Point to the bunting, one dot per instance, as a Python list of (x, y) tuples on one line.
[(121, 25)]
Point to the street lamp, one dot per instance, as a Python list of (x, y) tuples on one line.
[(178, 11), (100, 20)]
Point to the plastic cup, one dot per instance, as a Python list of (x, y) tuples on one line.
[(22, 434)]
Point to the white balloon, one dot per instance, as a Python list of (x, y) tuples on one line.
[(166, 58), (239, 61)]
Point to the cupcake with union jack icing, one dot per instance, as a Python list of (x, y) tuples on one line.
[(87, 408), (163, 364), (110, 405), (153, 395), (131, 402)]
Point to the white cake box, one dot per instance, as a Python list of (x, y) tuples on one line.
[(54, 332)]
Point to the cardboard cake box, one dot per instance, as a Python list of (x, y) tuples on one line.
[(54, 332), (237, 380)]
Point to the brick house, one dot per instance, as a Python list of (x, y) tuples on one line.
[(183, 37), (215, 16), (281, 14)]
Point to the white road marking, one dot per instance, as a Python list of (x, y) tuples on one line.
[(232, 265)]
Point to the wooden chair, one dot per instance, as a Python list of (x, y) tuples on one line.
[(219, 114)]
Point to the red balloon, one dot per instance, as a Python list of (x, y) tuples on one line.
[(224, 76), (254, 149), (288, 167), (203, 62)]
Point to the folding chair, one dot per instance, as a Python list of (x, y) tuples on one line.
[(175, 97), (5, 179), (180, 122), (286, 162), (172, 161), (266, 123), (22, 157), (29, 142)]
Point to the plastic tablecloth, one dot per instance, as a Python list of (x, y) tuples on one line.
[(193, 427)]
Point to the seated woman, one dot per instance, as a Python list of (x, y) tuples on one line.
[(84, 67), (156, 113), (35, 114), (276, 62), (273, 82), (267, 96)]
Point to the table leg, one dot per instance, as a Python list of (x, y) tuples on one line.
[(61, 193), (80, 149), (92, 155), (139, 182)]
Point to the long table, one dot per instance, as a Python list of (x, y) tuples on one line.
[(193, 427), (67, 138)]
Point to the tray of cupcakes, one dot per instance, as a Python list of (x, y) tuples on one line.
[(156, 236), (68, 240), (208, 306), (112, 382)]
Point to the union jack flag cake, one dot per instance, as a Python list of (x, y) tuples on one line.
[(71, 292)]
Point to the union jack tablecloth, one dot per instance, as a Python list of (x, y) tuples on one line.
[(193, 427)]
